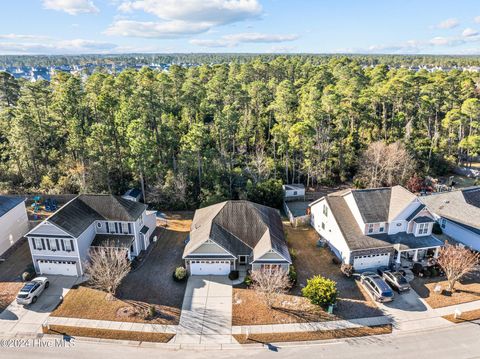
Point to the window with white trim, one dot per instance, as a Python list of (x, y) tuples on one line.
[(53, 244), (38, 243), (325, 210), (422, 228), (68, 245), (370, 228), (443, 223)]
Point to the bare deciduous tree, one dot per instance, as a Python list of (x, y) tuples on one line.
[(269, 283), (385, 165), (107, 266), (457, 261)]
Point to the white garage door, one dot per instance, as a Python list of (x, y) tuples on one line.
[(209, 267), (57, 267), (371, 261)]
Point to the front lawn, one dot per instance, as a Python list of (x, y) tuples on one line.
[(151, 284), (468, 290), (309, 260)]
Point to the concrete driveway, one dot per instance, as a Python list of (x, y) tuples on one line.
[(206, 311), (17, 318)]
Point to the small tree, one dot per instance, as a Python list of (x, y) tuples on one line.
[(457, 261), (321, 291), (107, 267), (269, 283)]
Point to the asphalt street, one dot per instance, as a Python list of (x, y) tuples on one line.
[(460, 341)]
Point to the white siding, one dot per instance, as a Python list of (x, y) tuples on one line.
[(354, 209), (461, 234), (46, 228), (209, 248), (13, 226), (331, 232)]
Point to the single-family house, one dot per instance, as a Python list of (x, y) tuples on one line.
[(13, 221), (235, 234), (369, 228), (61, 243), (133, 194), (458, 213)]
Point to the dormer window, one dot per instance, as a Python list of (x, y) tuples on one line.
[(422, 228), (370, 228)]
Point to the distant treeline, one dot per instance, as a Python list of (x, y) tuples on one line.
[(218, 58)]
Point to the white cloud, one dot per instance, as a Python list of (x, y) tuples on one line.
[(75, 46), (448, 24), (468, 32), (248, 37), (21, 37), (161, 30), (72, 7), (182, 17), (477, 19)]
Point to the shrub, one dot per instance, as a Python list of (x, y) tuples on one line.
[(292, 275), (433, 272), (436, 229), (26, 276), (347, 269), (293, 253), (152, 311), (180, 274), (336, 261), (233, 275), (320, 291), (248, 280)]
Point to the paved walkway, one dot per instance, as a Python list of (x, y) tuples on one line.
[(18, 319), (206, 316)]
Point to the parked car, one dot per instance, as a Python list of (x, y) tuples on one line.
[(396, 280), (377, 287), (32, 290)]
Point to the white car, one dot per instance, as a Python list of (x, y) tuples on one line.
[(32, 290)]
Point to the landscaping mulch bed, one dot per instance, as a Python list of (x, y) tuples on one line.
[(468, 290), (464, 317), (310, 336), (108, 334)]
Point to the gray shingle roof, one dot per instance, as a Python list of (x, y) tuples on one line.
[(8, 203), (462, 206), (240, 227), (414, 213), (78, 214), (373, 204), (423, 219), (117, 240)]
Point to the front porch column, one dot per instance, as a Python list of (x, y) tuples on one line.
[(415, 255), (437, 252), (399, 257)]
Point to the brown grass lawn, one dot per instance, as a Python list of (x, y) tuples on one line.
[(108, 334), (464, 317), (319, 335), (179, 221), (8, 292), (468, 290), (309, 260), (149, 285)]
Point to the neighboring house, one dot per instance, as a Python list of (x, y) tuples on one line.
[(133, 194), (375, 227), (13, 221), (61, 243), (230, 234), (293, 191), (458, 213)]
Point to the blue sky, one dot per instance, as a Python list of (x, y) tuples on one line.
[(314, 26)]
